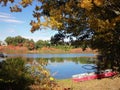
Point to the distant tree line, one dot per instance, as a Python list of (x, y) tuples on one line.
[(20, 41), (58, 41), (23, 42)]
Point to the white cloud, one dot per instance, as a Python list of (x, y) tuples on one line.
[(5, 15), (8, 18), (12, 21)]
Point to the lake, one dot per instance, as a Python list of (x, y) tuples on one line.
[(53, 55), (63, 66)]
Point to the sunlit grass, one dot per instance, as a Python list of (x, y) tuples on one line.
[(97, 84)]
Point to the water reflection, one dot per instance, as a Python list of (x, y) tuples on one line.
[(71, 55), (62, 65), (62, 68)]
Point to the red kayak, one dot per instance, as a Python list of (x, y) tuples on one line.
[(93, 75)]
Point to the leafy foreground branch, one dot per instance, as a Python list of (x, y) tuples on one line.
[(15, 74), (95, 22)]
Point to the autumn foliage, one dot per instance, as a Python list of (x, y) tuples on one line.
[(94, 21)]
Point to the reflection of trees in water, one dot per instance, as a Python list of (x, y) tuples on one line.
[(85, 60), (56, 60), (77, 60)]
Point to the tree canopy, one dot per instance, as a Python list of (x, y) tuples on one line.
[(97, 21)]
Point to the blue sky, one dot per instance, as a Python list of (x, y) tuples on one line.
[(14, 24)]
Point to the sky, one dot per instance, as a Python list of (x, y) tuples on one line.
[(17, 23)]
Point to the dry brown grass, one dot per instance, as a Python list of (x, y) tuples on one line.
[(101, 84), (18, 49), (51, 50), (80, 50), (98, 84)]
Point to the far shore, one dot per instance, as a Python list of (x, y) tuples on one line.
[(45, 50)]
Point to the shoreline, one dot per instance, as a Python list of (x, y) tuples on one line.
[(44, 50)]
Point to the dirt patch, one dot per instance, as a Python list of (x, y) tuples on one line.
[(13, 49)]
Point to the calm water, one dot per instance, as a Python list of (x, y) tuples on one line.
[(53, 55), (63, 70), (63, 66)]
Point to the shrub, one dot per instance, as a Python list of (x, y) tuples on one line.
[(14, 75), (40, 74)]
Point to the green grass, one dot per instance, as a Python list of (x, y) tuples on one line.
[(68, 83)]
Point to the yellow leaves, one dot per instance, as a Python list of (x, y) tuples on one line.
[(45, 24), (46, 73), (117, 19), (103, 28), (106, 24), (101, 25), (25, 3), (98, 2), (87, 4), (37, 8), (54, 23), (35, 26), (51, 22), (69, 6), (51, 78), (15, 9)]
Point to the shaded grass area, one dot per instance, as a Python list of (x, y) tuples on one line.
[(97, 84)]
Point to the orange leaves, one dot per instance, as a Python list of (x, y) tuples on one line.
[(98, 2), (15, 9), (25, 3), (35, 26), (6, 1), (87, 4)]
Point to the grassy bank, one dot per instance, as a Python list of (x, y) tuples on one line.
[(58, 50), (97, 84)]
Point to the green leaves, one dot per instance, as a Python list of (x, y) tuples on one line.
[(14, 75), (97, 19)]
